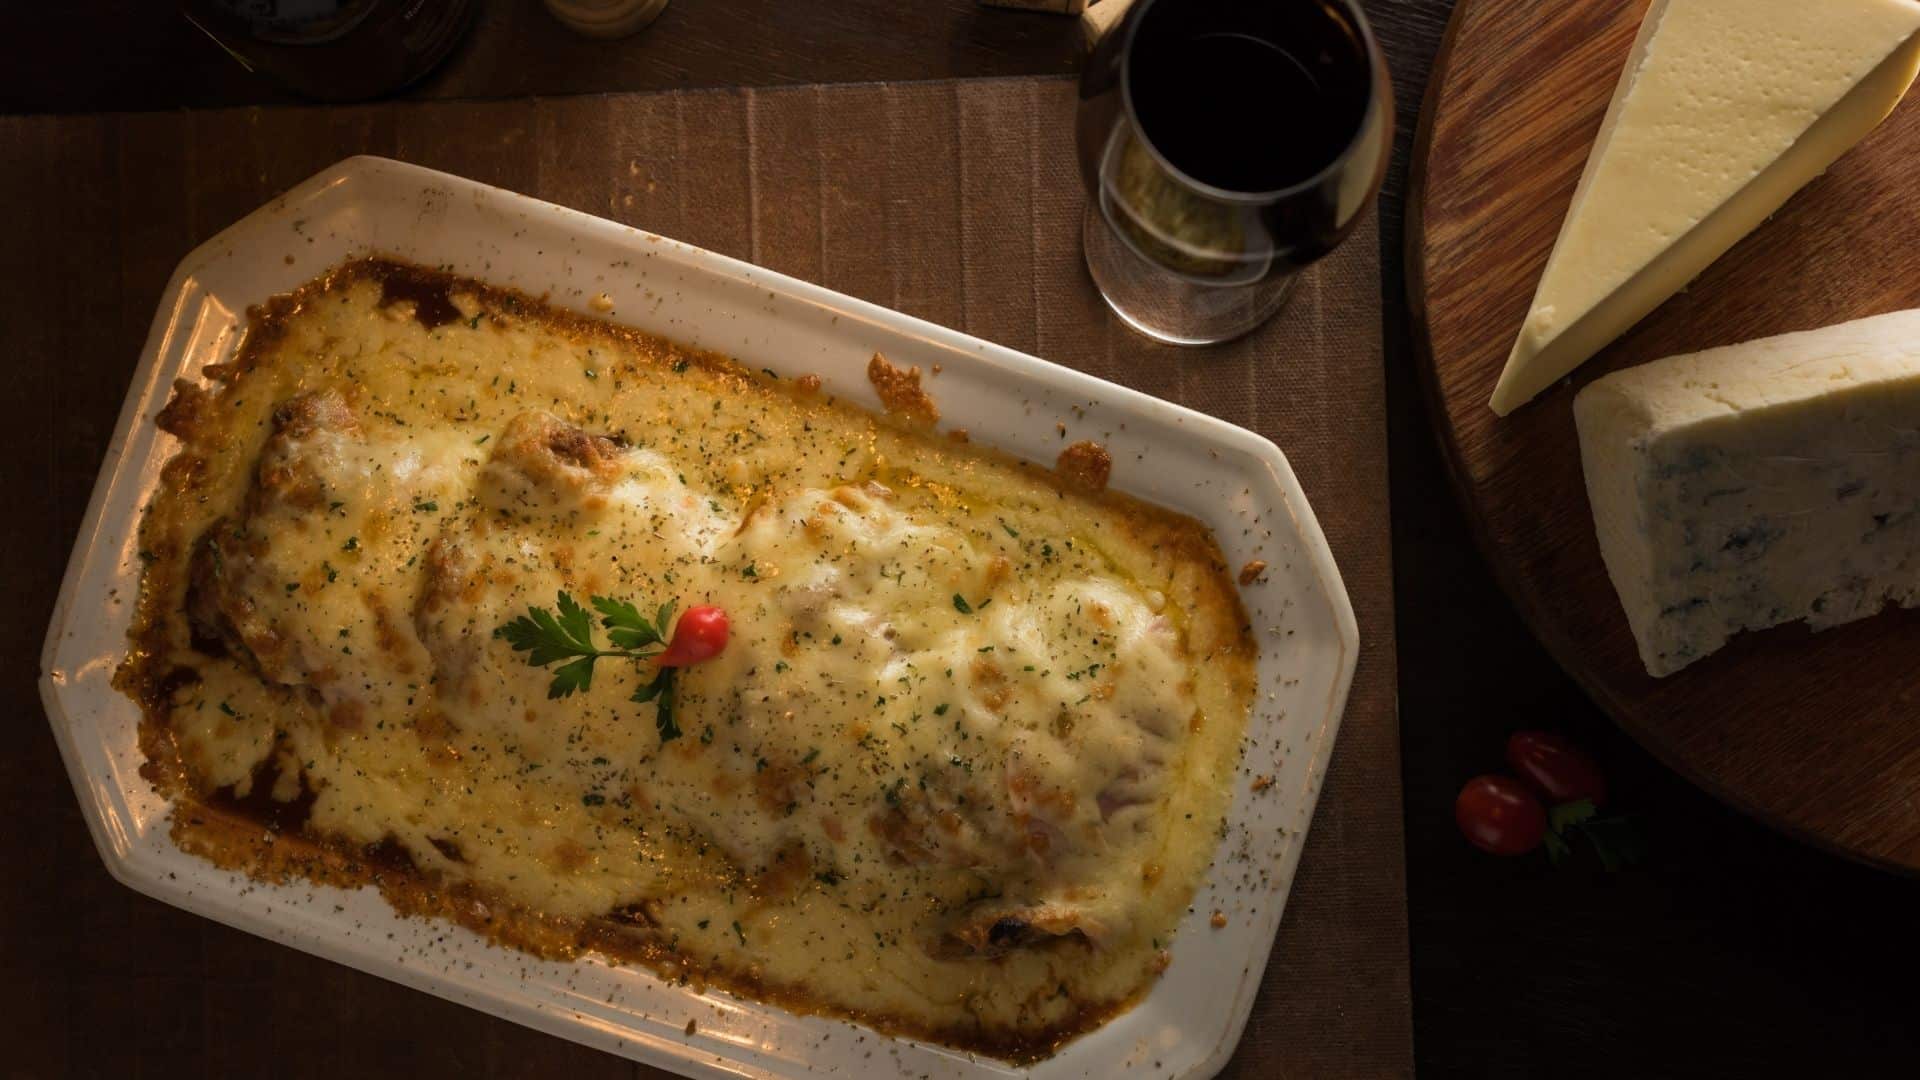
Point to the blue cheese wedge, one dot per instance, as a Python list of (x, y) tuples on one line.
[(1758, 484)]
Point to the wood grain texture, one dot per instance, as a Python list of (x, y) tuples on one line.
[(1813, 733), (953, 201)]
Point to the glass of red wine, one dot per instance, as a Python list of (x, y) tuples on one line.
[(1225, 145)]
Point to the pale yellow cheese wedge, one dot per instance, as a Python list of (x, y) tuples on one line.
[(1724, 110)]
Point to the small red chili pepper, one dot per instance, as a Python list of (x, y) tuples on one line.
[(699, 635)]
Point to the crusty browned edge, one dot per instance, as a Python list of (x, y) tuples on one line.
[(901, 393), (206, 825), (1084, 466)]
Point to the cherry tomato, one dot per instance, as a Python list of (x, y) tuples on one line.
[(1500, 816), (1560, 771), (699, 635)]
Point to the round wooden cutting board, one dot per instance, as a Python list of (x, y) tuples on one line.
[(1818, 734)]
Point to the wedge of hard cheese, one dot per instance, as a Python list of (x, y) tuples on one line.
[(1756, 484), (1725, 108)]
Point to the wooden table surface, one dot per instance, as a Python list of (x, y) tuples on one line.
[(1731, 952)]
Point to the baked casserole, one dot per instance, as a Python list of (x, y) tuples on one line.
[(952, 765)]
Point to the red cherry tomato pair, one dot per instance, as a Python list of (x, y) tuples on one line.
[(699, 635), (1504, 816)]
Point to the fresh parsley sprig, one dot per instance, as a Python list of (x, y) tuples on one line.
[(566, 633), (1614, 839)]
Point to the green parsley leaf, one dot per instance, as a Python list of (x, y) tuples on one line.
[(660, 692), (1567, 815), (626, 627), (547, 639), (960, 605), (569, 677), (575, 620), (1558, 850), (1615, 840)]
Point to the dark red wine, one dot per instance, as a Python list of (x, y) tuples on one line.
[(1246, 95)]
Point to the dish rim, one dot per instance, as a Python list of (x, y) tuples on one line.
[(117, 492)]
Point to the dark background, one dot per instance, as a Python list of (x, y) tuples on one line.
[(1731, 951)]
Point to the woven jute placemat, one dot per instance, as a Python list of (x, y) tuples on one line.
[(956, 202)]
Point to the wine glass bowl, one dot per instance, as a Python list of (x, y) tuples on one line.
[(1224, 147)]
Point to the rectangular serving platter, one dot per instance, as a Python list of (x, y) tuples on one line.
[(1237, 482)]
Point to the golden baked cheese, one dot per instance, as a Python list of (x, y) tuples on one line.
[(956, 772)]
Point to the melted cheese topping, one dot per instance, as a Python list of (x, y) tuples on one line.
[(957, 772)]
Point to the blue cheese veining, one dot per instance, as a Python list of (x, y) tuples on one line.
[(1757, 484)]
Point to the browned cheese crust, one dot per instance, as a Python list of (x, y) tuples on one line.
[(197, 621)]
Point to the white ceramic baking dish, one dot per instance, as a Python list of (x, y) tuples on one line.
[(1235, 481)]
